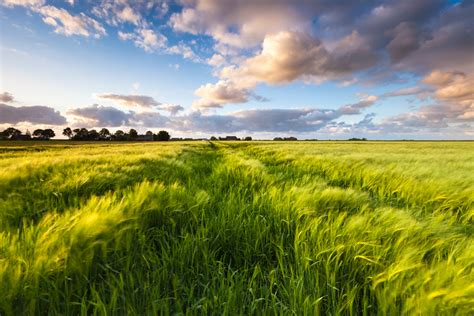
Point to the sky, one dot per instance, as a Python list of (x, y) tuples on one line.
[(387, 69)]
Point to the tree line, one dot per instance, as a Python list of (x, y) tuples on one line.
[(83, 134)]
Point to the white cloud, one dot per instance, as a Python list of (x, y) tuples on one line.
[(127, 14), (23, 3), (184, 50), (242, 23), (67, 24), (147, 39), (216, 60), (454, 92), (221, 93)]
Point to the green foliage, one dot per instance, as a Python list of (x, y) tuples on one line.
[(163, 136), (322, 228)]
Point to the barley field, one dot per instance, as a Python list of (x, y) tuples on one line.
[(315, 228)]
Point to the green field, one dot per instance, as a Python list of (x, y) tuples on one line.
[(317, 228)]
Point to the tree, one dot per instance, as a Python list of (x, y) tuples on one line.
[(48, 133), (11, 133), (68, 132), (92, 135), (163, 136), (149, 133), (248, 138), (38, 133), (80, 134), (133, 133), (104, 133), (119, 135), (44, 134), (213, 138)]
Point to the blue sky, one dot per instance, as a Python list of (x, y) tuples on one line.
[(311, 69)]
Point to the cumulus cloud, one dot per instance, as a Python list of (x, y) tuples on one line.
[(97, 115), (451, 86), (62, 21), (285, 57), (416, 35), (455, 90), (151, 120), (32, 114), (147, 39), (132, 101), (241, 23), (23, 3), (435, 117), (430, 38), (290, 56), (356, 108), (223, 92), (171, 108), (67, 24), (127, 14), (129, 11), (183, 50), (6, 97), (406, 39)]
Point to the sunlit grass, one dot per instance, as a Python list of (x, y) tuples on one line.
[(237, 228)]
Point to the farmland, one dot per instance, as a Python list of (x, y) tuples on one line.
[(313, 228)]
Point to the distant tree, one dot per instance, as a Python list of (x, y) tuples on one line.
[(163, 136), (11, 133), (93, 135), (213, 138), (76, 131), (248, 138), (104, 133), (43, 134), (48, 133), (68, 132), (133, 133), (38, 133), (149, 133), (119, 135), (278, 138), (80, 134)]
